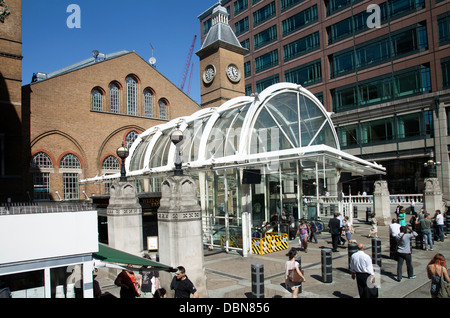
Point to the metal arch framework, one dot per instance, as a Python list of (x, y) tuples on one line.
[(234, 125)]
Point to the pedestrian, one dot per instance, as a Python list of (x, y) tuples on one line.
[(314, 229), (149, 280), (126, 280), (413, 204), (398, 209), (439, 226), (341, 226), (373, 225), (290, 265), (347, 227), (425, 225), (362, 269), (182, 285), (304, 231), (334, 226), (404, 252), (394, 230), (160, 293), (402, 217), (437, 270)]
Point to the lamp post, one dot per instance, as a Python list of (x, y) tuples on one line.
[(122, 152), (431, 165), (177, 137)]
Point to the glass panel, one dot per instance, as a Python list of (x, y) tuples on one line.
[(137, 160), (25, 285), (266, 136), (160, 151), (325, 137), (311, 119), (285, 110)]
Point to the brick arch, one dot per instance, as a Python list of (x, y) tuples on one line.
[(122, 130), (36, 151), (116, 83), (73, 153), (81, 153), (106, 155), (134, 76)]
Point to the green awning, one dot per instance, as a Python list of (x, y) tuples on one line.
[(111, 255)]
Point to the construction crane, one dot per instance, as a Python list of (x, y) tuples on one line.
[(188, 63), (190, 81)]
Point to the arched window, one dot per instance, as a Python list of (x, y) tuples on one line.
[(97, 100), (70, 177), (41, 160), (163, 109), (40, 165), (148, 103), (70, 161), (114, 97), (131, 96), (130, 138), (111, 163)]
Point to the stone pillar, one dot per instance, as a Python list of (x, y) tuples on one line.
[(381, 203), (432, 197), (180, 230), (124, 218)]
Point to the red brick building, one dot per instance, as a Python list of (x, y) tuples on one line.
[(80, 115), (11, 150)]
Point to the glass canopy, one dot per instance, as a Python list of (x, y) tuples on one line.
[(283, 122)]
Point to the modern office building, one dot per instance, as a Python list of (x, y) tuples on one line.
[(382, 67)]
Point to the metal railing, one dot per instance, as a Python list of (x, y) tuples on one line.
[(33, 208)]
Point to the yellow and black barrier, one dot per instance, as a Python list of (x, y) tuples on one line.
[(271, 242)]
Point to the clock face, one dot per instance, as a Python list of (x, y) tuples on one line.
[(209, 73), (233, 73)]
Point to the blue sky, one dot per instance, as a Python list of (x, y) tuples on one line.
[(110, 26)]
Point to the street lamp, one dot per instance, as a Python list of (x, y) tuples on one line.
[(431, 165), (177, 137), (122, 152)]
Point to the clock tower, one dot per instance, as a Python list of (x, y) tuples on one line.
[(221, 62)]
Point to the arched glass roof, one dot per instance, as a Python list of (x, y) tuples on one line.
[(283, 122)]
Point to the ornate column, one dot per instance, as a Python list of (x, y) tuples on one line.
[(180, 229), (124, 218), (381, 203)]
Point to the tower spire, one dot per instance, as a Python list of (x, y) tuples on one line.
[(220, 14)]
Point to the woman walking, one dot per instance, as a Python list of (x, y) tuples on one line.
[(304, 230), (437, 270), (292, 264)]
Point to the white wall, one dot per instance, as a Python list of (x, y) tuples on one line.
[(45, 235)]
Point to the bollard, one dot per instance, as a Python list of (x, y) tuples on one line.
[(376, 251), (327, 269), (299, 260), (392, 246), (368, 213), (352, 248), (419, 240), (258, 280), (447, 222)]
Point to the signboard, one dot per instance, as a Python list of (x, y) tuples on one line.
[(152, 243)]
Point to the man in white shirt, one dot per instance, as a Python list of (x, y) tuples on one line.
[(394, 231), (362, 269), (440, 225)]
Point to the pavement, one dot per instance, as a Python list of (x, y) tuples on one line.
[(229, 274)]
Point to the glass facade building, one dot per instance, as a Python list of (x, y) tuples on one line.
[(382, 67)]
